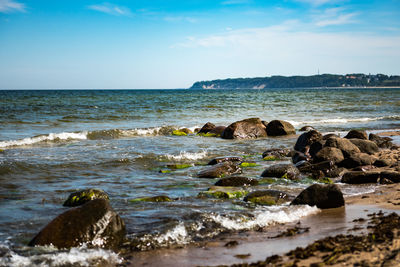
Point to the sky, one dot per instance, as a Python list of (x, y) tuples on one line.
[(150, 44)]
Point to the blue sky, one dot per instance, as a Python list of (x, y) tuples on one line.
[(59, 44)]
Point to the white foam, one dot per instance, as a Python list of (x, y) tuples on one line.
[(178, 234), (44, 138), (51, 257), (265, 216), (338, 120), (187, 155)]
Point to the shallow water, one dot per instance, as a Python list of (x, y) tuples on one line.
[(57, 142)]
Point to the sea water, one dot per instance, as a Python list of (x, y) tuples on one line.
[(54, 142)]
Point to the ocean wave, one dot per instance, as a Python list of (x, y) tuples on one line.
[(52, 137), (50, 256), (340, 120), (183, 155)]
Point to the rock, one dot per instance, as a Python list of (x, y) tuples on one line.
[(360, 177), (345, 145), (218, 130), (329, 154), (236, 181), (232, 159), (248, 164), (220, 170), (206, 128), (267, 197), (331, 135), (224, 192), (382, 162), (356, 160), (315, 148), (336, 172), (305, 140), (288, 171), (81, 197), (322, 196), (306, 128), (278, 128), (357, 134), (245, 129), (152, 199), (186, 130), (365, 146), (382, 142), (324, 166), (94, 223), (299, 157), (392, 176), (277, 153)]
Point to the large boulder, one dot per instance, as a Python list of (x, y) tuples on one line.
[(322, 196), (217, 131), (357, 134), (360, 177), (232, 159), (278, 127), (382, 142), (329, 154), (236, 181), (356, 160), (267, 197), (288, 171), (94, 223), (366, 146), (220, 170), (245, 129), (306, 139), (206, 128), (81, 197), (345, 145)]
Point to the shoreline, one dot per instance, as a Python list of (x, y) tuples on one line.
[(251, 247)]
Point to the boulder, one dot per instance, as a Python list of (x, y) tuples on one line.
[(382, 142), (331, 135), (322, 196), (267, 197), (277, 153), (81, 197), (206, 128), (288, 171), (360, 177), (325, 166), (345, 145), (220, 170), (357, 134), (329, 154), (278, 128), (306, 139), (94, 223), (236, 181), (365, 146), (232, 159), (356, 160), (392, 176), (245, 129), (218, 130)]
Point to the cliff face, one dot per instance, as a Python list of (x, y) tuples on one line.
[(324, 80)]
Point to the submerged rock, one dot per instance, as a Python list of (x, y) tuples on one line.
[(220, 170), (152, 199), (224, 192), (81, 197), (231, 159), (288, 171), (322, 196), (245, 129), (267, 197), (236, 181), (279, 127), (94, 223)]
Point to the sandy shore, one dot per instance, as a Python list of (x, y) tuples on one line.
[(252, 248)]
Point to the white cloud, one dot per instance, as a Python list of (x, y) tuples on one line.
[(334, 16), (8, 6), (111, 9)]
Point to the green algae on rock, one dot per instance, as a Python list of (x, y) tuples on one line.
[(267, 197), (83, 196), (179, 133), (179, 166), (152, 199), (224, 192), (248, 164)]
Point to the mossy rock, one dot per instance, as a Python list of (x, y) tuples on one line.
[(267, 180), (179, 133), (248, 164), (208, 134), (325, 180), (267, 197), (165, 171), (271, 158), (83, 196), (179, 166), (152, 199), (224, 192)]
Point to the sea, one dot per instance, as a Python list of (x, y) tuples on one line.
[(55, 142)]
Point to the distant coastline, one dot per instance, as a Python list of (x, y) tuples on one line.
[(314, 81)]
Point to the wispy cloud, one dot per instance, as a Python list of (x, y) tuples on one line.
[(9, 6), (334, 16), (111, 9)]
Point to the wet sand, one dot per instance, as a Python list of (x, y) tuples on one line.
[(248, 247)]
